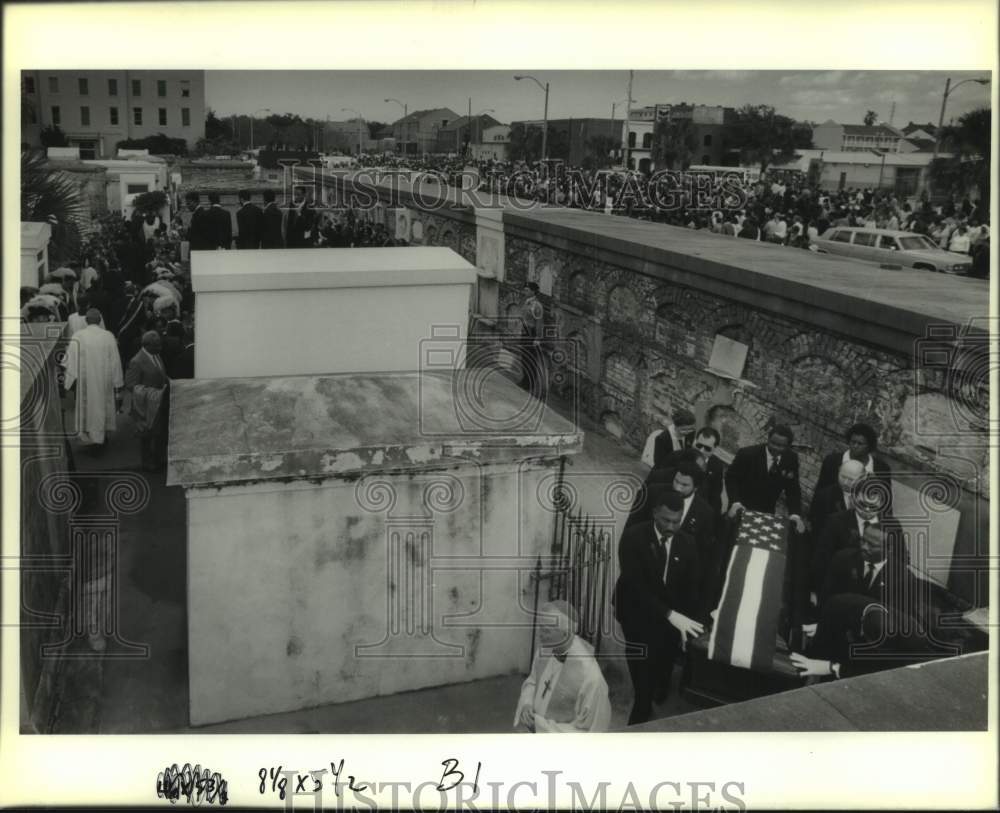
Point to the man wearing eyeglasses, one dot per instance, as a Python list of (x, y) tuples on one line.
[(705, 443)]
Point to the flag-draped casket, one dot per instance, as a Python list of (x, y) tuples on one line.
[(746, 620)]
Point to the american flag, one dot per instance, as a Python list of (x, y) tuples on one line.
[(746, 620)]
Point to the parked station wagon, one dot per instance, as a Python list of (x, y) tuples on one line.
[(890, 246)]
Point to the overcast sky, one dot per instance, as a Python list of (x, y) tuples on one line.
[(843, 96)]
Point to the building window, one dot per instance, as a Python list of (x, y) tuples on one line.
[(706, 159), (186, 116), (163, 117), (137, 115), (631, 139), (29, 84), (707, 140), (161, 87), (53, 84), (112, 87), (136, 188), (29, 114), (647, 140), (85, 116), (137, 87), (114, 115), (84, 86), (88, 150), (56, 117), (185, 88)]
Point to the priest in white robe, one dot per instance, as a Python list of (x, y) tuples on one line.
[(565, 691), (93, 364)]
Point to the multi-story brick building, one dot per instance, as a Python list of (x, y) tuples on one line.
[(97, 109)]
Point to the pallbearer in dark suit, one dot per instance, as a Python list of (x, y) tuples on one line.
[(272, 236), (760, 474), (221, 223), (835, 498), (877, 569), (199, 231), (862, 444), (656, 600), (846, 530), (250, 222)]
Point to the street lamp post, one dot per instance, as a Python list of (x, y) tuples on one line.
[(948, 90), (406, 123), (361, 121), (614, 105), (545, 119), (255, 112)]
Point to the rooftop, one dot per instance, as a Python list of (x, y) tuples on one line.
[(241, 430)]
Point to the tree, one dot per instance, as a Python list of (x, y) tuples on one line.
[(675, 143), (376, 127), (216, 128), (158, 144), (765, 137), (52, 136), (968, 168), (525, 142), (48, 196), (871, 117), (599, 150), (150, 202)]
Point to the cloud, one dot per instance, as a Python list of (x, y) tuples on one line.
[(813, 79)]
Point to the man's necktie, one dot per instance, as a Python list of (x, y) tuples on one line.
[(871, 575), (665, 548), (773, 471)]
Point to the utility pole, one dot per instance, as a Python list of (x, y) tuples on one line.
[(892, 112), (628, 118)]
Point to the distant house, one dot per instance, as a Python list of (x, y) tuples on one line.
[(905, 174), (859, 137), (493, 143), (417, 132), (463, 131)]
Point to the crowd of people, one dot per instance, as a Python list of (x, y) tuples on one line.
[(128, 291), (300, 225), (781, 206)]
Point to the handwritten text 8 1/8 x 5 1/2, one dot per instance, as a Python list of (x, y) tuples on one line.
[(311, 782)]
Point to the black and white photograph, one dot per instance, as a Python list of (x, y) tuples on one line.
[(623, 401)]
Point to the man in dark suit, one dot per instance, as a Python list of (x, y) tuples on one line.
[(835, 498), (862, 444), (271, 236), (856, 636), (844, 531), (220, 223), (698, 522), (877, 569), (706, 441), (199, 231), (301, 221), (760, 474), (249, 222), (656, 600)]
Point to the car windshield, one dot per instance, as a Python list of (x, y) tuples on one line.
[(916, 242)]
